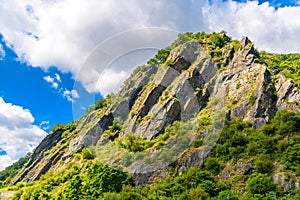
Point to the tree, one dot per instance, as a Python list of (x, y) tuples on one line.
[(212, 165), (263, 164), (74, 191), (260, 184)]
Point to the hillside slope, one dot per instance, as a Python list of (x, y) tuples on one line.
[(203, 102)]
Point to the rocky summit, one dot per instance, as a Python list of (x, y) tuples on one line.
[(177, 113)]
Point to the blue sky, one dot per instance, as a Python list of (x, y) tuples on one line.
[(24, 85), (46, 46)]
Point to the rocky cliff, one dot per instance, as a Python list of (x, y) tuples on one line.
[(185, 88)]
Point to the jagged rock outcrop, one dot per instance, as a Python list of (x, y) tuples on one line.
[(158, 95), (37, 165), (130, 91), (286, 183), (245, 76), (249, 89), (288, 94), (242, 167), (92, 135)]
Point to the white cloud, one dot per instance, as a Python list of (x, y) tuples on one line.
[(5, 161), (44, 125), (63, 33), (48, 79), (2, 52), (70, 95), (52, 81), (274, 30), (18, 134), (55, 85), (75, 94)]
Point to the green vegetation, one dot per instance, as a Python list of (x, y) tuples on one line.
[(133, 143), (88, 181), (263, 164), (218, 44), (260, 184), (12, 170), (160, 57), (67, 128), (101, 103), (238, 142), (240, 166), (252, 99), (113, 131), (288, 64)]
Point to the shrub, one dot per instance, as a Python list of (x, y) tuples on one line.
[(86, 154), (263, 164), (252, 99), (212, 165), (260, 184)]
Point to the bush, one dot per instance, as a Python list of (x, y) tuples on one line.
[(263, 164), (288, 64), (160, 57), (212, 164), (252, 99), (86, 154), (227, 194), (101, 103), (260, 184), (198, 193), (218, 40), (292, 158)]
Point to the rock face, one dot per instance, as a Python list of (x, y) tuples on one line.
[(287, 185), (37, 165), (245, 76), (156, 96), (288, 94)]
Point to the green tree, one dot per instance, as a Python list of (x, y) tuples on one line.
[(86, 154), (263, 164), (212, 164), (74, 190), (260, 184)]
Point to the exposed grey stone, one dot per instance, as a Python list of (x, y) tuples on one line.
[(288, 95), (160, 96)]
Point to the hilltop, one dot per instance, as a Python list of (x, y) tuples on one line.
[(207, 117)]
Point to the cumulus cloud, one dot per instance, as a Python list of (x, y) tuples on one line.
[(18, 134), (5, 161), (70, 95), (44, 125), (63, 33), (52, 81), (55, 80), (274, 30)]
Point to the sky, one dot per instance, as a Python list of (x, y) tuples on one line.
[(58, 56)]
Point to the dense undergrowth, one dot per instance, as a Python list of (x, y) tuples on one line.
[(287, 64), (274, 144), (12, 170), (273, 148)]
